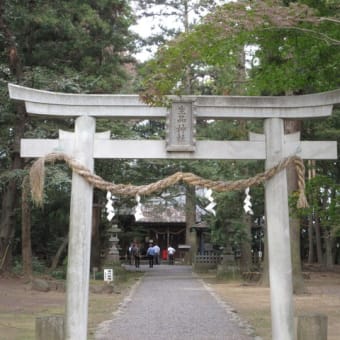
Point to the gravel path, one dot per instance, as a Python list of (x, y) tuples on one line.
[(170, 302)]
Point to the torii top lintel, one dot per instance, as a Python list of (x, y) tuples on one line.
[(48, 103)]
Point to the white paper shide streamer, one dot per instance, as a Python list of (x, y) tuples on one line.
[(110, 210), (210, 207), (138, 209), (247, 206)]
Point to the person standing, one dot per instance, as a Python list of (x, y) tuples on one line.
[(171, 253), (129, 254), (150, 253), (136, 254), (157, 251)]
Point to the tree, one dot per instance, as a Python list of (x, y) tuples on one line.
[(323, 196), (26, 229), (292, 57), (62, 46), (217, 42), (283, 57)]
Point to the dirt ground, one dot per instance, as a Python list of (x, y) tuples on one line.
[(20, 305), (252, 302)]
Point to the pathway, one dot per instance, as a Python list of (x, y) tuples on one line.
[(171, 302)]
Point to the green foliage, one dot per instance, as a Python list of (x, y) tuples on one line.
[(323, 195), (293, 62), (228, 226), (11, 175), (87, 42), (69, 46), (324, 198), (38, 266), (59, 274), (297, 51)]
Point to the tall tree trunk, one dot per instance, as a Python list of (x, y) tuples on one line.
[(246, 258), (241, 73), (95, 243), (7, 225), (329, 245), (311, 174), (26, 247), (318, 241), (292, 126), (190, 212), (10, 197), (310, 240), (264, 281), (298, 282), (58, 254)]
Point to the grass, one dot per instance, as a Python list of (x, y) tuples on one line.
[(20, 325)]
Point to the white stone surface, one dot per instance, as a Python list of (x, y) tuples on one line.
[(156, 149), (208, 107), (79, 248), (280, 265)]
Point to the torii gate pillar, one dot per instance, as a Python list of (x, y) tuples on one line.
[(276, 202), (79, 248)]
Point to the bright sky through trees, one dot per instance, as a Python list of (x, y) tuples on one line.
[(146, 26)]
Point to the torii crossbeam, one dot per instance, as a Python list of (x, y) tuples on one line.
[(85, 145)]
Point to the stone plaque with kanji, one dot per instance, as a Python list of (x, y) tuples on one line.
[(181, 127)]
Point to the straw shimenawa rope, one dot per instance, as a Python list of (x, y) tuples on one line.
[(38, 170)]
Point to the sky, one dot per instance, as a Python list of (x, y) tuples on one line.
[(147, 25)]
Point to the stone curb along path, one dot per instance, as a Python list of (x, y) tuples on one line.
[(171, 302)]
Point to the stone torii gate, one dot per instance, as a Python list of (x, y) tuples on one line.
[(85, 145)]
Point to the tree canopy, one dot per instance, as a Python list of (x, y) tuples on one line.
[(290, 40)]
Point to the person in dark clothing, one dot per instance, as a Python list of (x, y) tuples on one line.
[(136, 254)]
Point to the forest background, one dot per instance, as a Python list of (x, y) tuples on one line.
[(239, 48)]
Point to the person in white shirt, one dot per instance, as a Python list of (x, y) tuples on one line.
[(171, 253)]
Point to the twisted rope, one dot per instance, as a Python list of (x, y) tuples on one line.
[(38, 169)]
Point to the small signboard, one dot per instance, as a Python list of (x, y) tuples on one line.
[(108, 275), (181, 127), (184, 247)]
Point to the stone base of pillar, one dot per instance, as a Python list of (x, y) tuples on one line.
[(311, 327), (49, 327)]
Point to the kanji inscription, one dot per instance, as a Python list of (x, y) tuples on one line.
[(180, 127)]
